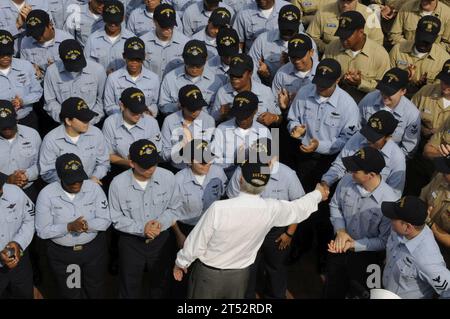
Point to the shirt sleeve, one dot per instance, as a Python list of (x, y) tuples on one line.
[(32, 172), (437, 275), (336, 217), (102, 160), (26, 231), (109, 100), (411, 137), (47, 159), (51, 106), (34, 91), (234, 188), (375, 243)]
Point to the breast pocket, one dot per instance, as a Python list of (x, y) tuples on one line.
[(333, 120), (98, 54), (310, 112), (89, 210), (161, 200), (12, 215), (329, 31), (407, 270), (66, 90)]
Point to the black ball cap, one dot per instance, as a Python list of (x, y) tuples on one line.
[(191, 98), (240, 64), (428, 29), (220, 17), (75, 107), (8, 116), (256, 174), (367, 159), (113, 12), (327, 73), (36, 22), (349, 22), (71, 54), (197, 150), (134, 100), (444, 75), (393, 80), (410, 209), (69, 169), (289, 18), (165, 15), (227, 41), (6, 43), (195, 53), (134, 48), (299, 45), (244, 105), (379, 125), (144, 153)]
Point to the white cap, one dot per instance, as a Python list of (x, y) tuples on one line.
[(382, 294)]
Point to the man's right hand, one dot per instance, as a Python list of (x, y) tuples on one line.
[(298, 131), (79, 225), (444, 149), (342, 237), (152, 229), (18, 178), (325, 191)]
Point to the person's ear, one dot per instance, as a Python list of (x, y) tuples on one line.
[(122, 107)]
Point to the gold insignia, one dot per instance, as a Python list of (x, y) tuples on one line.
[(227, 41), (202, 145), (344, 21), (113, 9), (361, 154), (4, 112), (296, 42), (5, 39), (223, 13), (138, 96), (72, 55), (73, 165), (325, 69), (375, 122), (82, 105), (402, 202), (193, 92), (168, 12), (290, 16), (147, 149), (236, 60), (34, 21), (392, 77), (195, 51), (242, 100), (135, 45)]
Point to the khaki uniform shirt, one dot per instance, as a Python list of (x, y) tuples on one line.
[(405, 24), (437, 195), (402, 55), (431, 106), (372, 61), (326, 22), (441, 137), (309, 8)]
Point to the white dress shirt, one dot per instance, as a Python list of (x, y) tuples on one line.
[(231, 231)]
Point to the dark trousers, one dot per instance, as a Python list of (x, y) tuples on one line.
[(211, 283), (92, 261), (347, 273), (309, 169), (17, 283), (271, 262), (31, 120), (135, 256)]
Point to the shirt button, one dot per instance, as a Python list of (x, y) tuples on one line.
[(146, 204)]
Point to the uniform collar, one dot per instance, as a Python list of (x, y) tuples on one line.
[(275, 171), (367, 49), (153, 180), (408, 48), (292, 71), (191, 178), (399, 110), (416, 8), (85, 188), (61, 69), (414, 243), (176, 37), (377, 193), (62, 135), (121, 122), (182, 73), (145, 73)]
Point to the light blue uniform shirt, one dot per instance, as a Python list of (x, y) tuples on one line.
[(21, 81), (287, 77), (407, 133), (9, 14), (141, 21), (81, 23), (195, 17), (172, 134), (132, 207), (161, 58), (100, 49), (179, 5), (36, 53), (119, 138), (250, 22), (16, 217), (331, 122), (208, 83), (269, 47), (394, 173), (148, 82), (54, 210), (359, 213), (197, 198), (88, 84), (57, 10), (91, 148), (415, 268), (211, 46), (229, 139), (226, 94), (22, 153), (283, 184)]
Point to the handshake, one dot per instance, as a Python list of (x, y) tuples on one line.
[(324, 189)]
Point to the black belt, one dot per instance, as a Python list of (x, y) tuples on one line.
[(139, 238), (219, 269)]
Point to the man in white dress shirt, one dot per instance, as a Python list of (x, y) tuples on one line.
[(226, 239)]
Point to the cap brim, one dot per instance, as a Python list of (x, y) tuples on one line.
[(297, 54), (370, 134), (238, 72), (35, 32), (137, 108), (115, 20), (195, 106), (134, 55), (343, 34), (86, 116), (228, 50), (7, 50), (441, 164), (8, 123), (350, 164), (389, 210), (74, 178), (166, 23), (322, 83), (195, 61), (425, 37), (386, 89), (288, 26), (148, 164), (75, 66)]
